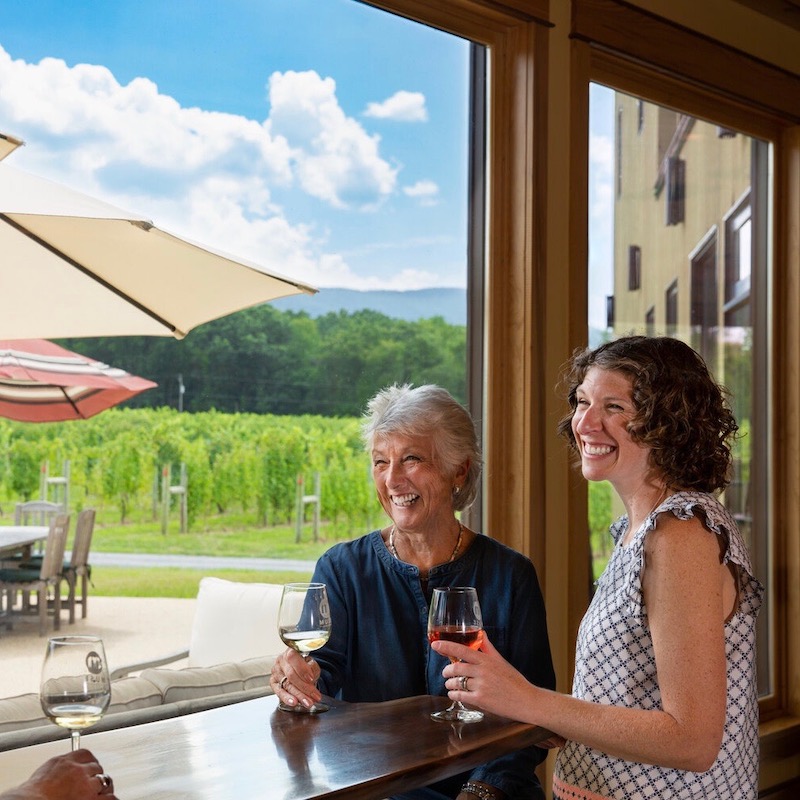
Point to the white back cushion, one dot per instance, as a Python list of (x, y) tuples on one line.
[(234, 621)]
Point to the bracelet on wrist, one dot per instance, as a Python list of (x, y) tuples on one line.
[(479, 791)]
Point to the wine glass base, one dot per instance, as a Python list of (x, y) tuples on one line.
[(458, 715), (317, 708)]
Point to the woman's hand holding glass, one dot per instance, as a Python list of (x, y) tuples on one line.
[(483, 678), (304, 625), (299, 677), (455, 616)]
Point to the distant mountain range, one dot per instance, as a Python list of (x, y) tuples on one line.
[(414, 304), (450, 304)]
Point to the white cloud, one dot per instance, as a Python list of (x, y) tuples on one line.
[(336, 159), (425, 191), (601, 170), (402, 106), (210, 176)]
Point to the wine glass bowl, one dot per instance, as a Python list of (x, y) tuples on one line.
[(455, 616), (304, 624), (75, 688)]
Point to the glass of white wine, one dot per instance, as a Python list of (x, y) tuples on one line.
[(304, 624), (455, 616), (75, 689)]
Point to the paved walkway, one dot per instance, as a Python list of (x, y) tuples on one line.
[(199, 562), (132, 628)]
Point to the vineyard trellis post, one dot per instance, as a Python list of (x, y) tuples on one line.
[(59, 484), (302, 501), (181, 490)]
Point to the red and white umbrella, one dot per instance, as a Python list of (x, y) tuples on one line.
[(42, 382)]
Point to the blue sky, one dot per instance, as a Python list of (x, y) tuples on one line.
[(601, 202), (325, 140)]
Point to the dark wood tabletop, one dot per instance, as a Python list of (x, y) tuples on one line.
[(254, 750)]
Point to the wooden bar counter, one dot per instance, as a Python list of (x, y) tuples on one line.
[(254, 750)]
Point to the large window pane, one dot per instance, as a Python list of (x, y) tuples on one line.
[(678, 246)]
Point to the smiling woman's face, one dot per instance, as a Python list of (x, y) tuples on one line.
[(411, 483), (600, 425)]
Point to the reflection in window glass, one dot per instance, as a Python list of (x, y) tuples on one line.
[(678, 231)]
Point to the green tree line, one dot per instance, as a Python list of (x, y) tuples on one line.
[(266, 361)]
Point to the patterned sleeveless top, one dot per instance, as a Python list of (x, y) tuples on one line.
[(614, 664)]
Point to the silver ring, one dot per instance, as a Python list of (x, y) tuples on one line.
[(282, 684), (105, 781), (463, 681)]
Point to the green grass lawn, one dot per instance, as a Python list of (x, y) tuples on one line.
[(171, 582), (229, 535)]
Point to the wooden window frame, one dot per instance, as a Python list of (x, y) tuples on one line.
[(543, 55), (662, 63)]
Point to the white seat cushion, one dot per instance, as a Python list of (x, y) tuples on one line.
[(234, 621)]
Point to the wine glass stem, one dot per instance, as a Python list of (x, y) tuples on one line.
[(75, 736)]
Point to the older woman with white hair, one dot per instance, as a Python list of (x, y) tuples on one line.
[(426, 466)]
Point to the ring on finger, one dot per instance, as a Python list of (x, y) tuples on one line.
[(463, 681), (105, 781), (282, 684)]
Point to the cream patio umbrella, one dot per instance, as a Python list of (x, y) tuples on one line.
[(8, 144), (74, 266)]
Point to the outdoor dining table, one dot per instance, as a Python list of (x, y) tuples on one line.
[(254, 750), (16, 539)]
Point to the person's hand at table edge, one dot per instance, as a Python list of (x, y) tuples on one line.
[(72, 776)]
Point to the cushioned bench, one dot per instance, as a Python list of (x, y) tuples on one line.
[(155, 694), (235, 623)]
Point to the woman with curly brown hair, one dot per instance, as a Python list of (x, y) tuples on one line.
[(664, 701)]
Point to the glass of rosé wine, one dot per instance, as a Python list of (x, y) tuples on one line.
[(455, 616)]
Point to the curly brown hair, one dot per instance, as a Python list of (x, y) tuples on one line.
[(682, 413)]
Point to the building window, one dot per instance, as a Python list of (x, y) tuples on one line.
[(671, 309), (675, 190), (703, 299), (634, 267), (738, 253), (610, 311)]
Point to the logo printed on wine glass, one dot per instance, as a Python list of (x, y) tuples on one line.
[(75, 688), (325, 611), (304, 624), (94, 663)]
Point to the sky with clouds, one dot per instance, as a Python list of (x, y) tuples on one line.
[(601, 202), (324, 140)]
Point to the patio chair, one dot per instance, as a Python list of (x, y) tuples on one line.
[(79, 566), (36, 512), (40, 581)]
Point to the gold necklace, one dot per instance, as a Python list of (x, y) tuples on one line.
[(453, 555), (658, 502)]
